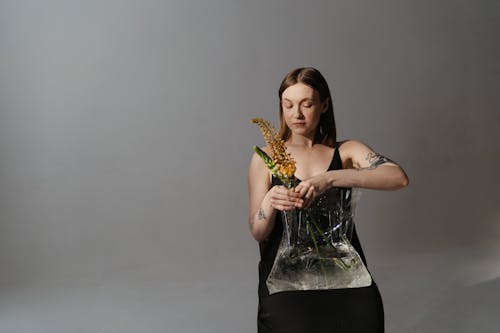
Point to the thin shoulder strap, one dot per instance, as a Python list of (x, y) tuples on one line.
[(337, 161)]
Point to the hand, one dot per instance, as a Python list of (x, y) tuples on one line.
[(311, 188), (282, 198)]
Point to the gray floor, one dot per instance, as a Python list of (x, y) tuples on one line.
[(146, 299), (128, 303)]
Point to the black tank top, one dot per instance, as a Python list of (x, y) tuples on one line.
[(269, 247)]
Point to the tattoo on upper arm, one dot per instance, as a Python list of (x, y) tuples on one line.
[(375, 160)]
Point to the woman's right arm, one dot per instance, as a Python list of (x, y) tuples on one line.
[(265, 200)]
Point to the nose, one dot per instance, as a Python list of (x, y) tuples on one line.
[(297, 112)]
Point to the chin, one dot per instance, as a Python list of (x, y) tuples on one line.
[(302, 132)]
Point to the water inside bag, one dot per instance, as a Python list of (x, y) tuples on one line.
[(315, 250)]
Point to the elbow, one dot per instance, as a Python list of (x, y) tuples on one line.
[(403, 181), (406, 180), (259, 239), (399, 181), (257, 236), (255, 233)]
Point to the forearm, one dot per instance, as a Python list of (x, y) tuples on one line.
[(262, 221), (382, 177)]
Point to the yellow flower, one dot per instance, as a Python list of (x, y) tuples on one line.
[(285, 164)]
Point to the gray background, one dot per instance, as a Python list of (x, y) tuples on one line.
[(125, 142)]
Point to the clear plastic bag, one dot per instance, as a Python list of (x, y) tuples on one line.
[(315, 251)]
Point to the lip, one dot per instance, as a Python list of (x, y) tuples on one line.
[(298, 124)]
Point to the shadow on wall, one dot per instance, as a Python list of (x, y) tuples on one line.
[(445, 206)]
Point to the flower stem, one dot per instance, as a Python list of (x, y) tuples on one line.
[(319, 256), (338, 262)]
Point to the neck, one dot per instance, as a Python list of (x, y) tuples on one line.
[(299, 140)]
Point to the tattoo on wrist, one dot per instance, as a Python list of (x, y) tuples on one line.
[(375, 160), (261, 214)]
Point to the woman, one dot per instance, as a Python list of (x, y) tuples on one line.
[(307, 126)]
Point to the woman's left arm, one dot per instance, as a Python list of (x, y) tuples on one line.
[(369, 170)]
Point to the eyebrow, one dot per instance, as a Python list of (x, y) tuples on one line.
[(303, 99)]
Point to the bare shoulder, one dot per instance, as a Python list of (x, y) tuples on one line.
[(258, 170), (348, 148), (256, 163), (352, 146), (358, 154)]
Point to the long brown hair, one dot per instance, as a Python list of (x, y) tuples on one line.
[(326, 132)]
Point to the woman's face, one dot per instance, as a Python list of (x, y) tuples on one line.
[(302, 109)]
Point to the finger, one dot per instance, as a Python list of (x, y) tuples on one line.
[(293, 193), (282, 191), (309, 193), (282, 204), (285, 208), (309, 197), (286, 197), (298, 190), (302, 190), (289, 196)]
